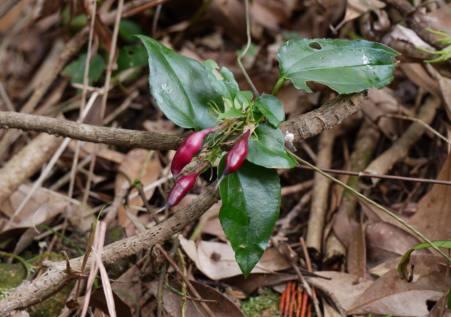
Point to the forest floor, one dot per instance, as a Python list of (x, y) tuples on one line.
[(331, 253)]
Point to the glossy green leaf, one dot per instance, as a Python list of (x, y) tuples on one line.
[(184, 89), (128, 29), (250, 208), (343, 65), (271, 107), (267, 148), (403, 263), (75, 70), (131, 56)]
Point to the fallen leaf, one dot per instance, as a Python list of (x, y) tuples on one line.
[(385, 241), (217, 260), (41, 207), (401, 33), (356, 8), (394, 296), (342, 288), (433, 217)]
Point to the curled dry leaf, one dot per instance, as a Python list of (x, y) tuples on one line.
[(394, 296), (356, 8), (217, 260), (401, 33)]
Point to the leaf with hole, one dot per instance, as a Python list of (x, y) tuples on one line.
[(271, 107), (131, 56), (75, 70), (250, 208), (184, 89), (267, 148), (343, 65)]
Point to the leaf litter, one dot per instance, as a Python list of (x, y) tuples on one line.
[(217, 31)]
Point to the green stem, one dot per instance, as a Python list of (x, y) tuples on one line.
[(278, 85), (410, 228), (246, 49)]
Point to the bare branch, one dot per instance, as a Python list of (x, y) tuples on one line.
[(90, 133)]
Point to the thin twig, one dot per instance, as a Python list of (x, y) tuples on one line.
[(185, 279), (421, 122), (393, 177), (246, 49), (410, 228)]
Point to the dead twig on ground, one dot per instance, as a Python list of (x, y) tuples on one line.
[(320, 200)]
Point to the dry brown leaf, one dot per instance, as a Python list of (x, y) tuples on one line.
[(439, 19), (272, 13), (140, 165), (220, 305), (386, 241), (356, 8), (217, 260), (401, 33), (229, 14), (394, 296), (342, 288), (433, 217), (42, 206), (417, 74)]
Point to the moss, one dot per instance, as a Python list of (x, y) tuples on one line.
[(265, 304), (11, 275), (53, 305)]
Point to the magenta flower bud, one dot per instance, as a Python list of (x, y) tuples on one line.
[(189, 148), (182, 186), (237, 154)]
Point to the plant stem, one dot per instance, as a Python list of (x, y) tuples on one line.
[(246, 49), (278, 85), (410, 228)]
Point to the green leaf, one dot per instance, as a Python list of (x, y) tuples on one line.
[(271, 107), (131, 56), (75, 70), (343, 65), (267, 148), (128, 29), (183, 88), (405, 259), (250, 208)]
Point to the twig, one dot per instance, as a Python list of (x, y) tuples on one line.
[(328, 116), (90, 133), (421, 122), (400, 148), (393, 177), (301, 127), (308, 262), (185, 279), (320, 201), (246, 49), (26, 163)]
